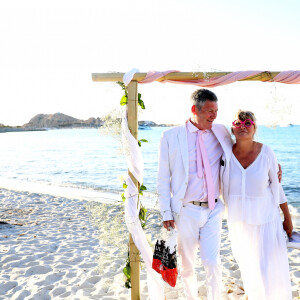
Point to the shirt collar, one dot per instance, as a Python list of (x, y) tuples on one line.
[(192, 128)]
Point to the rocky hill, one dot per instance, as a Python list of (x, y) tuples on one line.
[(60, 120)]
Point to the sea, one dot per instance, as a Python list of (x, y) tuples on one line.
[(88, 163)]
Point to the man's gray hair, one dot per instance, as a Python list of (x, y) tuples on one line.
[(199, 97)]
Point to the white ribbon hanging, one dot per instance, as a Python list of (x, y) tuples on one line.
[(129, 75), (132, 207)]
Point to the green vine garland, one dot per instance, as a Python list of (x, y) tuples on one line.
[(143, 211)]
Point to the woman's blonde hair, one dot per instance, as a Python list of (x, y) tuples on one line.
[(244, 115)]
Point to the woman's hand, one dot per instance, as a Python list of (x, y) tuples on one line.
[(288, 225), (279, 173), (287, 222)]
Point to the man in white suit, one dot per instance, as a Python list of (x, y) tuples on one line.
[(184, 188)]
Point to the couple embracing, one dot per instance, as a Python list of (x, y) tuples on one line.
[(199, 161)]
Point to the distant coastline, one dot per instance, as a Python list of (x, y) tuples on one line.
[(17, 129), (43, 122)]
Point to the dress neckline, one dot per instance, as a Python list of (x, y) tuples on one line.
[(256, 158)]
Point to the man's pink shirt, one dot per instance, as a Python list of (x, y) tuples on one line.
[(197, 189)]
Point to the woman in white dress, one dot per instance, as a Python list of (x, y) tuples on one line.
[(253, 196)]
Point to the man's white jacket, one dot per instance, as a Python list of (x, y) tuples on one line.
[(173, 170)]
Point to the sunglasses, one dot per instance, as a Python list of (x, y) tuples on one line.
[(238, 123)]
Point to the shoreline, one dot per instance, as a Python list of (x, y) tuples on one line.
[(149, 199), (16, 129), (22, 129), (66, 249)]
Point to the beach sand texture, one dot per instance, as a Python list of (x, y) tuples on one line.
[(57, 248)]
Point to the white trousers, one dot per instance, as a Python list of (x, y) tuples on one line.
[(198, 226)]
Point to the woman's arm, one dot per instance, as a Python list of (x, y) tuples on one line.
[(278, 193), (287, 222)]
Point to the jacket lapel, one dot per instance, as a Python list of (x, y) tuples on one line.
[(182, 138)]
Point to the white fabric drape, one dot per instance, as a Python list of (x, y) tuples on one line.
[(129, 75), (132, 208)]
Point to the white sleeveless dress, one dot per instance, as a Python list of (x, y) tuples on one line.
[(255, 229)]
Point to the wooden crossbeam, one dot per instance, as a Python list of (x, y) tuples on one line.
[(180, 76)]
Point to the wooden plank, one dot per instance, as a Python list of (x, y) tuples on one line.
[(180, 76), (113, 77), (132, 106), (134, 254), (265, 76)]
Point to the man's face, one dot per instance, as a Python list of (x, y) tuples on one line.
[(205, 117)]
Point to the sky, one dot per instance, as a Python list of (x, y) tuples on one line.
[(49, 49)]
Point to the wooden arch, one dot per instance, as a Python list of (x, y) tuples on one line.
[(132, 104)]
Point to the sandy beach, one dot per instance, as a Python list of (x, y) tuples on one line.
[(58, 248)]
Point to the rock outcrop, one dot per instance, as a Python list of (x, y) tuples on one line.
[(60, 120)]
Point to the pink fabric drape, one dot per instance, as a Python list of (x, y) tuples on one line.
[(288, 77), (153, 76)]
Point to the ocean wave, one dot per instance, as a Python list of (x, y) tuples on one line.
[(292, 190)]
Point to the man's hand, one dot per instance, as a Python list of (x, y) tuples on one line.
[(288, 226), (168, 224), (279, 173)]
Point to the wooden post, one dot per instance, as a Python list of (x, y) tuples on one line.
[(134, 254)]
